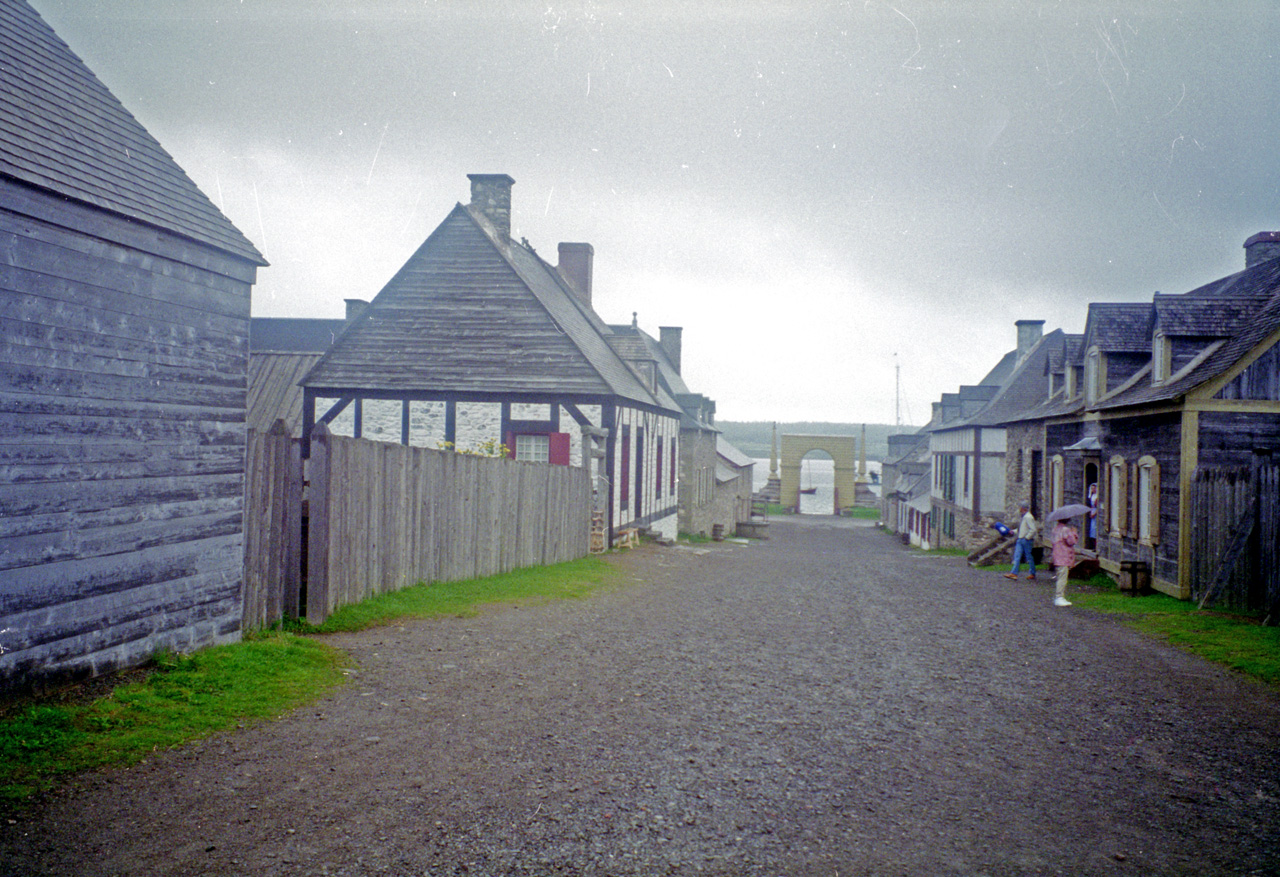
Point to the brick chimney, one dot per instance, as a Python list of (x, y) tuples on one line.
[(575, 267), (1262, 247), (669, 337), (491, 195), (1029, 333)]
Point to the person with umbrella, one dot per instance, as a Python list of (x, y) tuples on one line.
[(1064, 539), (1022, 548)]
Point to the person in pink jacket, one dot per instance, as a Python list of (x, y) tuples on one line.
[(1064, 557)]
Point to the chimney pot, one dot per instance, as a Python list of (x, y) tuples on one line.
[(1262, 247), (670, 339), (576, 268), (491, 195)]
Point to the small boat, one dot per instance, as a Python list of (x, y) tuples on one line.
[(804, 470)]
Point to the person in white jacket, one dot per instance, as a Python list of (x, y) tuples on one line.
[(1027, 529)]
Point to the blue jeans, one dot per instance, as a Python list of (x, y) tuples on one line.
[(1021, 552)]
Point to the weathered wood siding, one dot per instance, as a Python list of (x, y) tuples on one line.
[(123, 355), (384, 516), (1223, 499)]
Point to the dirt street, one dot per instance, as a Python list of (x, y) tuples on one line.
[(823, 703)]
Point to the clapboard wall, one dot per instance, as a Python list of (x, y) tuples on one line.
[(123, 358)]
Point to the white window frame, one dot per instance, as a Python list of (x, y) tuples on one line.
[(1148, 501), (1117, 492), (533, 448)]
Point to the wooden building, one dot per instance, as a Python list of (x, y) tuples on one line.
[(1167, 390), (124, 320), (478, 327)]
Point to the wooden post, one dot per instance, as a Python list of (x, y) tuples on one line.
[(318, 530), (292, 579)]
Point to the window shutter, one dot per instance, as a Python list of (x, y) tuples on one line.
[(558, 449)]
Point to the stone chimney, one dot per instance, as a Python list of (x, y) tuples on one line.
[(355, 307), (1029, 333), (1262, 247), (669, 337), (491, 195), (575, 267)]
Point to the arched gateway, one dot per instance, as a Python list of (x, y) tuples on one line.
[(843, 450)]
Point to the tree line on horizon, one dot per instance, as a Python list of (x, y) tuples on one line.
[(752, 437)]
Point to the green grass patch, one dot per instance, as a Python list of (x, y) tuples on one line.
[(776, 508), (186, 698), (571, 580), (1227, 638), (869, 514)]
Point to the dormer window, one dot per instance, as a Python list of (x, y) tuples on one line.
[(1070, 382), (1095, 376), (1161, 358)]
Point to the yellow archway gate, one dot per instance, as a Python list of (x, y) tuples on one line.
[(843, 450)]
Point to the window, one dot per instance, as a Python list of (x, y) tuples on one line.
[(1161, 358), (1117, 493), (657, 467), (533, 448), (1148, 501), (624, 471), (1095, 376)]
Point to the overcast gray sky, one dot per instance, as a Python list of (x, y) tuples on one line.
[(814, 190)]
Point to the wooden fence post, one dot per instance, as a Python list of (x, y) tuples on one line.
[(318, 526)]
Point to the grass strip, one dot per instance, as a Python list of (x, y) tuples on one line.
[(1231, 639), (564, 581), (186, 698)]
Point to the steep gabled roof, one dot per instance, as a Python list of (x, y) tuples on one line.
[(470, 313), (1118, 327), (63, 131), (1027, 386), (1250, 314)]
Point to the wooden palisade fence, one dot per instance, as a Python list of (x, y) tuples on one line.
[(383, 516), (1235, 538)]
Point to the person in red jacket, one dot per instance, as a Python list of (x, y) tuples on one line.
[(1064, 557)]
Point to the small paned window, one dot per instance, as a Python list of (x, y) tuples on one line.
[(533, 448), (1117, 493), (1148, 500)]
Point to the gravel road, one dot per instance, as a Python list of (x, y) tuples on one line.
[(827, 703)]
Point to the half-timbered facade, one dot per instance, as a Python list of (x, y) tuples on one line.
[(124, 317), (477, 341)]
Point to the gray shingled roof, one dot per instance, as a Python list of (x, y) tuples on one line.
[(1118, 327), (1259, 285), (1217, 317), (468, 313), (63, 131)]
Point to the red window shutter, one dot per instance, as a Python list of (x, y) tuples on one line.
[(623, 480), (558, 448)]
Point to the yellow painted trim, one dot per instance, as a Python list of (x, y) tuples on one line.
[(1186, 470), (1235, 406), (1211, 388)]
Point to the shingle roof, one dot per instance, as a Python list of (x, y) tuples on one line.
[(63, 131), (291, 334), (1118, 327), (1258, 285), (1208, 317), (274, 391), (470, 313), (1026, 387)]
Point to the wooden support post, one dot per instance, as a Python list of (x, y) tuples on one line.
[(318, 527)]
